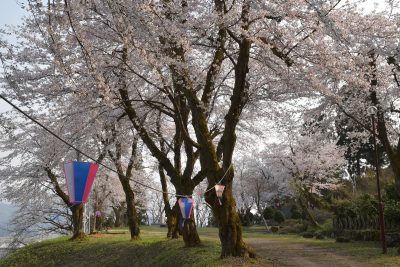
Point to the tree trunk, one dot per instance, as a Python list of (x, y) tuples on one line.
[(189, 233), (172, 214), (172, 222), (131, 212), (99, 221), (94, 222), (77, 222), (188, 229), (230, 229), (118, 215)]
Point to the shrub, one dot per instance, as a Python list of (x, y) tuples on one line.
[(292, 226), (279, 217), (392, 211), (274, 229), (296, 213), (321, 215), (308, 235), (268, 213), (366, 205), (341, 239), (327, 225), (296, 229), (319, 236), (291, 222), (108, 222), (391, 192), (246, 217)]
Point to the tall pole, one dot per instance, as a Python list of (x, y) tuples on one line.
[(372, 111)]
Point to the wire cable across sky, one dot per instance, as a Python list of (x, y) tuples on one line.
[(91, 158)]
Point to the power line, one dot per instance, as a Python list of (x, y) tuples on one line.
[(72, 146), (89, 157)]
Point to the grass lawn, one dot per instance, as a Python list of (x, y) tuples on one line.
[(153, 249), (115, 249)]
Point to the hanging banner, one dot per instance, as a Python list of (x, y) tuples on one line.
[(219, 190), (186, 207), (79, 178)]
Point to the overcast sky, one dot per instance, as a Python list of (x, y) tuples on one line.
[(12, 14)]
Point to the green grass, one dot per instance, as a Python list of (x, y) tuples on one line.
[(115, 249), (153, 249)]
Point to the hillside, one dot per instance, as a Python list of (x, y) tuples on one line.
[(115, 249)]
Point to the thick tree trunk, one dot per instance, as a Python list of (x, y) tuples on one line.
[(77, 221), (131, 212), (172, 222), (171, 213), (188, 229), (230, 229), (189, 233)]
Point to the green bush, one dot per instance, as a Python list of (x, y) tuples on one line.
[(327, 225), (108, 222), (274, 229), (342, 239), (279, 217), (366, 205), (293, 229), (319, 235), (296, 213), (321, 215), (392, 211), (246, 217), (290, 222), (362, 235), (361, 212), (344, 208), (391, 193), (268, 213), (292, 226), (308, 235)]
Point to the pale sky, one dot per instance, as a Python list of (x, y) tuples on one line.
[(11, 14)]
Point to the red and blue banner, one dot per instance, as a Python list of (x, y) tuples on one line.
[(79, 177), (186, 207)]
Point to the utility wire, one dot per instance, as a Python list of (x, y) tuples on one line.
[(89, 157), (72, 146)]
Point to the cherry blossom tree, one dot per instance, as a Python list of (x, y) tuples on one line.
[(307, 165), (198, 66), (359, 68), (34, 165), (117, 200), (256, 185)]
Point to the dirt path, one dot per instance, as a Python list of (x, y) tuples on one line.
[(300, 254)]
